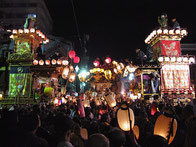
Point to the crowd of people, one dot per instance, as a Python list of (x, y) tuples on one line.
[(44, 125)]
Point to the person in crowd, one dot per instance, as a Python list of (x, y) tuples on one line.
[(117, 137), (98, 140)]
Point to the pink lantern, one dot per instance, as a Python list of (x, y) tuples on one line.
[(76, 59), (153, 108), (96, 63), (72, 54), (108, 60)]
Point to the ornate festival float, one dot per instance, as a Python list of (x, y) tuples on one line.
[(33, 78), (27, 41), (174, 67)]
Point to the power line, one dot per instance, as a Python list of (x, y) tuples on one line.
[(76, 23)]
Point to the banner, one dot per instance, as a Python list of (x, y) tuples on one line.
[(175, 77), (170, 48)]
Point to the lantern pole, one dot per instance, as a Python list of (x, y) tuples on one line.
[(129, 118), (170, 130), (171, 125)]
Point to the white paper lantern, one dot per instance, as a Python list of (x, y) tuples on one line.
[(124, 115)]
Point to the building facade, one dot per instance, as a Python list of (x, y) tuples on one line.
[(14, 12)]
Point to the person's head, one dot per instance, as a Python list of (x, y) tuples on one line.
[(63, 125), (31, 122), (98, 140), (105, 117), (117, 137), (174, 19), (137, 50), (156, 141)]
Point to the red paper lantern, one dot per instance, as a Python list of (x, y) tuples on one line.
[(153, 108), (96, 63), (108, 60), (72, 54), (76, 59)]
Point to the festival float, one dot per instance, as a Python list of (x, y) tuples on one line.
[(174, 67), (32, 78)]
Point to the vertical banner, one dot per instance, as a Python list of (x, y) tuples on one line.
[(20, 82), (170, 48), (175, 77)]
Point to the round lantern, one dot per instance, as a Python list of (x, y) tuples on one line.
[(1, 96), (65, 62), (108, 60), (136, 131), (53, 61), (59, 62), (35, 62), (71, 68), (72, 77), (72, 54), (76, 59), (125, 117), (96, 63), (56, 101), (110, 98), (47, 62), (122, 65), (48, 91), (41, 62), (65, 73), (166, 126), (98, 101)]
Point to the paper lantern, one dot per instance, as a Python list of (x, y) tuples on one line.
[(41, 62), (55, 101), (47, 62), (65, 73), (110, 99), (35, 62), (96, 63), (125, 115), (65, 62), (98, 101), (1, 96), (153, 108), (76, 59), (53, 61), (136, 131), (32, 30), (26, 30), (59, 62), (108, 60), (122, 65), (71, 68), (48, 90), (72, 77), (163, 126), (72, 54)]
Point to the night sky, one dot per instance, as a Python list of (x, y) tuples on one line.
[(118, 27)]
